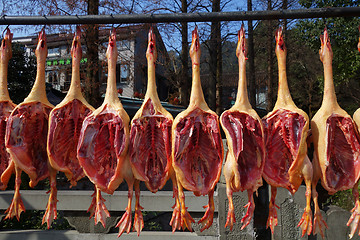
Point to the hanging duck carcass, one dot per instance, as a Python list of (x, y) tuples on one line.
[(285, 131), (336, 146), (197, 146), (103, 145), (244, 164), (26, 133), (65, 122), (150, 142), (7, 165)]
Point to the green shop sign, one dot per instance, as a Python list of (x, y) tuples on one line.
[(63, 62)]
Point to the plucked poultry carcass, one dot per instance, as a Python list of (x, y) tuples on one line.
[(103, 145), (285, 132), (26, 133), (244, 164), (150, 142), (7, 166), (336, 145), (65, 122), (197, 146)]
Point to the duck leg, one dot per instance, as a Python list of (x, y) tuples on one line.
[(17, 206), (51, 212), (125, 222), (186, 219), (250, 209), (175, 221), (272, 219), (230, 220), (306, 220), (355, 217), (138, 218), (207, 220), (98, 208), (319, 223)]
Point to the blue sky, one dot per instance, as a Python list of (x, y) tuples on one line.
[(172, 40)]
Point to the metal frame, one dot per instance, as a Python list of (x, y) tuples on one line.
[(183, 17)]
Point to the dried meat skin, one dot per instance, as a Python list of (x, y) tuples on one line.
[(26, 136), (343, 156), (198, 150), (150, 146), (6, 108), (247, 141), (64, 132), (282, 132), (102, 141)]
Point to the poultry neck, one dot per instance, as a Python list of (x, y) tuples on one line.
[(76, 54), (38, 91), (4, 93), (326, 56), (6, 54), (242, 94), (284, 98), (151, 55), (197, 96), (111, 95)]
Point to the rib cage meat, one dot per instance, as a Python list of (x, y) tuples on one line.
[(285, 132), (6, 107), (150, 142), (197, 146), (103, 144), (245, 158), (66, 120), (336, 146), (7, 165), (26, 133)]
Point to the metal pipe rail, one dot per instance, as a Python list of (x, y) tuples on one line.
[(183, 17)]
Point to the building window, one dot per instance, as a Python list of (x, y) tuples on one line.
[(124, 72), (67, 81), (53, 52)]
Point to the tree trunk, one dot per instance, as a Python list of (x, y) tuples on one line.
[(214, 90), (219, 74), (92, 81), (184, 74), (251, 59), (270, 50)]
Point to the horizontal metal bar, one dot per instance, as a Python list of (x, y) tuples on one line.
[(183, 17)]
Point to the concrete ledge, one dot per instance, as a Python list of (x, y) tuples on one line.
[(74, 235), (77, 200)]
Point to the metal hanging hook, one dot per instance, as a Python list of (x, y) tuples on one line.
[(43, 28), (7, 27)]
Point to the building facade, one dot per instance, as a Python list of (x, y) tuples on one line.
[(131, 69)]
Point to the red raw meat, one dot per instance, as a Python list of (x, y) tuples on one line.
[(285, 132), (7, 165), (150, 143), (26, 133), (336, 146), (66, 120), (197, 146), (245, 158), (103, 145)]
